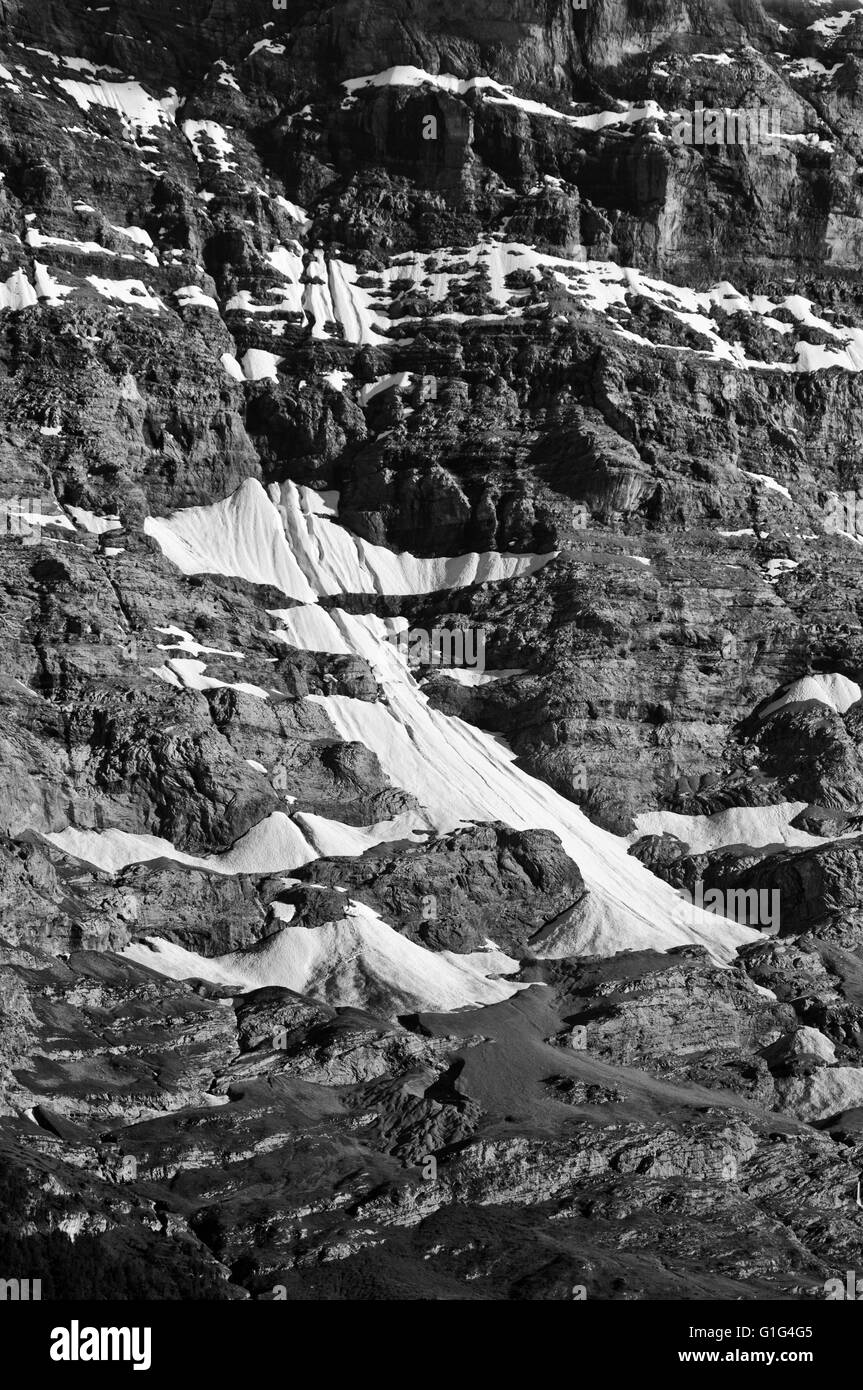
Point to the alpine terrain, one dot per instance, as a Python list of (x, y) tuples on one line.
[(431, 596)]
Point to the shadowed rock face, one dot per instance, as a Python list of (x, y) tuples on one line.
[(472, 337), (456, 893)]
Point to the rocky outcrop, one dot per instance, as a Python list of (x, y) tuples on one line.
[(486, 883), (668, 1012)]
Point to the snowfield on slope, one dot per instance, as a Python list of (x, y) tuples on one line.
[(831, 689), (140, 113), (359, 961), (326, 294), (290, 541), (275, 845), (460, 774), (457, 773), (599, 286)]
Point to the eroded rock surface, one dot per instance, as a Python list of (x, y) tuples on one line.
[(336, 970)]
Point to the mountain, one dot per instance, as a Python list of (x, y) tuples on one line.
[(431, 765)]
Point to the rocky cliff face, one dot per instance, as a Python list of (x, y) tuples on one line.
[(431, 765)]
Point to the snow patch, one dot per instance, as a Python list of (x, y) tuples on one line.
[(132, 292), (189, 646), (259, 365), (96, 525), (17, 292), (767, 482), (232, 366), (834, 690), (756, 826), (199, 132), (193, 297), (190, 675), (140, 113)]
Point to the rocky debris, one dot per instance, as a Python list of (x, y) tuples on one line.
[(330, 1134), (793, 968), (817, 889), (416, 1116), (113, 1042), (810, 752), (664, 1010), (270, 1018), (279, 1031), (575, 1092), (822, 1095)]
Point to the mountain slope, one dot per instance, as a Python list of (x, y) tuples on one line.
[(430, 779)]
